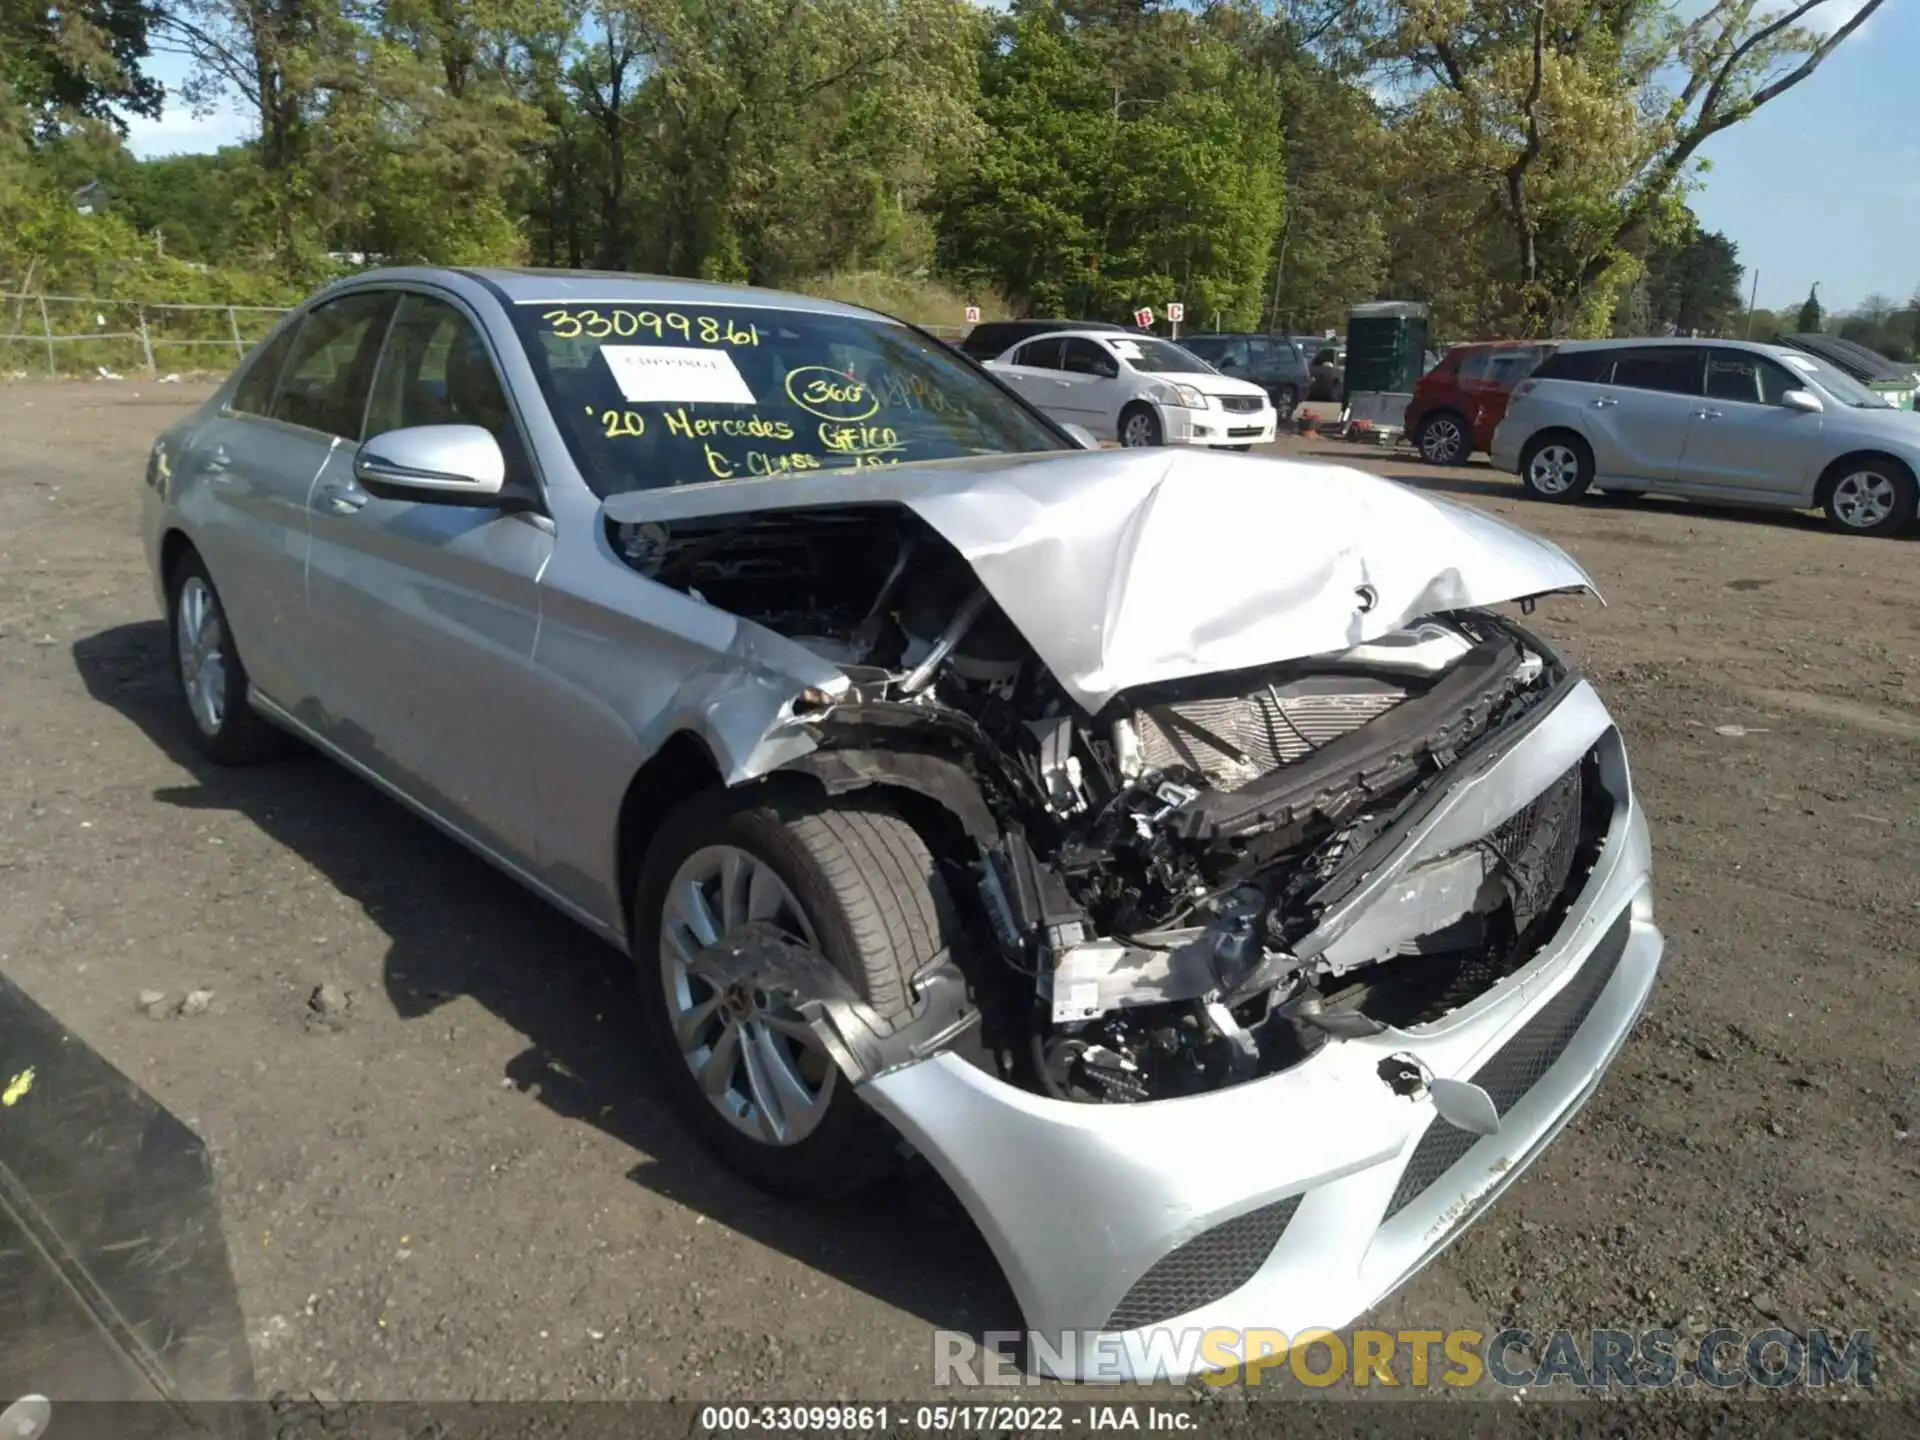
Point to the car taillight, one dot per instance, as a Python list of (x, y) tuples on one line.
[(1525, 387)]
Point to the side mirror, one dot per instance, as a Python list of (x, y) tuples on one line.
[(1804, 401), (1082, 436), (439, 464)]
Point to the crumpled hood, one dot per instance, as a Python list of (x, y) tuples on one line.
[(1128, 567)]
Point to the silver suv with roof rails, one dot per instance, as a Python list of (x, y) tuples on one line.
[(1713, 420)]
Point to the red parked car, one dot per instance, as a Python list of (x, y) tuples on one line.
[(1457, 404)]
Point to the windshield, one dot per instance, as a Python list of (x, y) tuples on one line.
[(1158, 357), (1837, 383), (656, 395)]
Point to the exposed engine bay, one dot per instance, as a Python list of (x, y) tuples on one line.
[(1150, 886)]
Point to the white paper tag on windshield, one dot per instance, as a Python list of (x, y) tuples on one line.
[(675, 374)]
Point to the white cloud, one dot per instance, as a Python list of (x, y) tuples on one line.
[(179, 131)]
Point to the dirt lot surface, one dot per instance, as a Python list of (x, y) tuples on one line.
[(463, 1183)]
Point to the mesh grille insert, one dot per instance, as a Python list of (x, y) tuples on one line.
[(1517, 1066), (1214, 1263), (1241, 404)]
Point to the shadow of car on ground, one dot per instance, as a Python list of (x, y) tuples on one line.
[(455, 927)]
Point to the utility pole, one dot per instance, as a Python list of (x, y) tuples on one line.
[(1753, 298)]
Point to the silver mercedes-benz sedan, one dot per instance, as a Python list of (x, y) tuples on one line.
[(1178, 850)]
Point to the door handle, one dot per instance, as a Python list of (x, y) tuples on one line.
[(218, 462), (343, 500), (1604, 402), (1706, 414)]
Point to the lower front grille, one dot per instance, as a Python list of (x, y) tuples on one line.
[(1536, 847), (1238, 738), (1518, 1065), (1244, 432), (1214, 1263)]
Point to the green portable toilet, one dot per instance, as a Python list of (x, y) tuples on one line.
[(1386, 347)]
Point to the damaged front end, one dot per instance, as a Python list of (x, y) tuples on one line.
[(1197, 884)]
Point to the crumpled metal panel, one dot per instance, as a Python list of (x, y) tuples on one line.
[(1131, 567)]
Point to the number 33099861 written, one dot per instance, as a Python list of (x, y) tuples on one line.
[(722, 1419)]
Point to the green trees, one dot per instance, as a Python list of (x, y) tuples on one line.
[(1809, 321), (1131, 157), (1521, 165)]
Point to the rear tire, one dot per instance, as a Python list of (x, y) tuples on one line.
[(1869, 495), (1285, 400), (209, 674), (1140, 427), (1556, 467), (856, 876)]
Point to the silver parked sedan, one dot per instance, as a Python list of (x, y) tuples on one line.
[(1713, 420), (1173, 848)]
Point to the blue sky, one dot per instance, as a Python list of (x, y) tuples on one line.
[(1821, 185)]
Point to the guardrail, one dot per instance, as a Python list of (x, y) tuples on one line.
[(83, 334)]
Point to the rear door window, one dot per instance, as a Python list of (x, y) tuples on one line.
[(327, 377), (1040, 354), (1672, 369), (1083, 357)]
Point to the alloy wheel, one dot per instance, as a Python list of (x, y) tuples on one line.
[(203, 669), (1138, 430), (1864, 499), (1554, 470), (1441, 441), (756, 1059)]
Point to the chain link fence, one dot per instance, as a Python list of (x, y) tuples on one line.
[(56, 335)]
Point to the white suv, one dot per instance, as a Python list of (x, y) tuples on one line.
[(1712, 420)]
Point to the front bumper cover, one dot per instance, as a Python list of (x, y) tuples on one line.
[(1318, 1190)]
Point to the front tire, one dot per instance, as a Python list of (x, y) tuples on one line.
[(1556, 467), (211, 678), (1286, 399), (1442, 439), (1140, 428), (1871, 495), (851, 879)]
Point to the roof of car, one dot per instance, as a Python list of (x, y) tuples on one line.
[(531, 286), (1644, 340), (1081, 332)]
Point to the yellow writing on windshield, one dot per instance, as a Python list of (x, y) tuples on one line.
[(620, 324), (830, 394), (619, 422), (698, 427), (841, 439), (913, 393)]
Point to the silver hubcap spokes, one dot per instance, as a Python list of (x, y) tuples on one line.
[(203, 666), (1554, 470), (757, 1060), (1863, 499), (1443, 441), (1139, 431)]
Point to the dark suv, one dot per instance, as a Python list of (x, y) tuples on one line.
[(1272, 362), (993, 339)]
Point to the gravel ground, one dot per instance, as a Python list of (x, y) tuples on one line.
[(445, 1168)]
